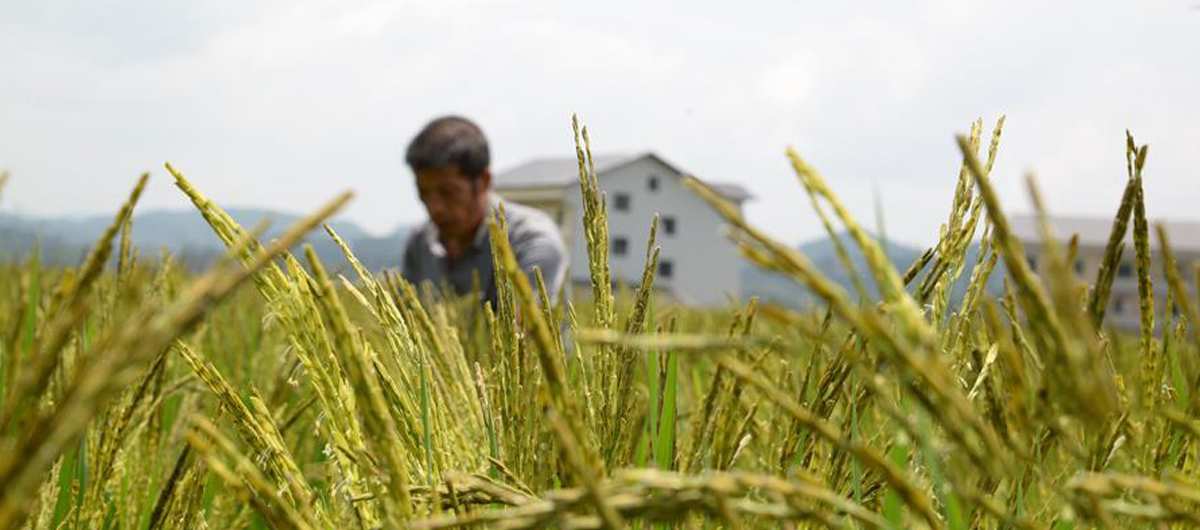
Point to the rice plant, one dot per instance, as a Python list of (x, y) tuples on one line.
[(142, 397)]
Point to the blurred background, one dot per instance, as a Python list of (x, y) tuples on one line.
[(276, 106)]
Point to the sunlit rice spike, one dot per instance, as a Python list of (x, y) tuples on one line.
[(1032, 293), (549, 357), (838, 247), (595, 228), (379, 437), (1171, 272), (1101, 290), (886, 277)]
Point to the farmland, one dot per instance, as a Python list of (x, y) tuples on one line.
[(269, 392)]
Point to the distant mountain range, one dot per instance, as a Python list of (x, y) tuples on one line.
[(776, 288), (65, 241)]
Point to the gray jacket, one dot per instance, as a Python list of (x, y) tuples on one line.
[(535, 240)]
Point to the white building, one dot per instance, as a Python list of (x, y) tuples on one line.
[(697, 264), (1123, 311)]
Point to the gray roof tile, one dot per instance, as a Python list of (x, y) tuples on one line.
[(554, 172)]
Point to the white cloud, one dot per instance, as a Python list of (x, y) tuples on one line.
[(282, 104)]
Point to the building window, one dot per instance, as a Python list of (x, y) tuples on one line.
[(1032, 263), (621, 202), (668, 224), (1124, 270), (652, 183), (620, 246), (665, 268), (1079, 266), (1119, 305)]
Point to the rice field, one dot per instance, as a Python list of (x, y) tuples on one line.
[(269, 392)]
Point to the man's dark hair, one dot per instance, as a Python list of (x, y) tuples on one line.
[(450, 140)]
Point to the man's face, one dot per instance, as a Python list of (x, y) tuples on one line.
[(455, 202)]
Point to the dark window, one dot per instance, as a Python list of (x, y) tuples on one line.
[(668, 223), (1078, 266), (1119, 305), (1124, 270), (1032, 263), (666, 268), (652, 183), (620, 246), (621, 202)]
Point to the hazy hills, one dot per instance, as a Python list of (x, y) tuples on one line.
[(64, 241), (776, 288)]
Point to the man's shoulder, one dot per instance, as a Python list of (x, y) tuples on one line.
[(528, 225), (419, 238), (522, 218)]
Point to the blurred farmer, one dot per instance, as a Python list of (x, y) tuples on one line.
[(450, 159)]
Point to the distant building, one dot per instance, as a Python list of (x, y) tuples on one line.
[(698, 264), (1123, 311)]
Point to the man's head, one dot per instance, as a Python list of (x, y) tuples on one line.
[(450, 159)]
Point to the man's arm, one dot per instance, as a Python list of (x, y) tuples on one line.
[(545, 250)]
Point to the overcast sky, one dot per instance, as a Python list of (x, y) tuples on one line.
[(283, 104)]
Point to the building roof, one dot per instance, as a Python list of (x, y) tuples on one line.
[(731, 191), (1093, 231), (559, 172)]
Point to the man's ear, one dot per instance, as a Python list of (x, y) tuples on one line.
[(485, 179)]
